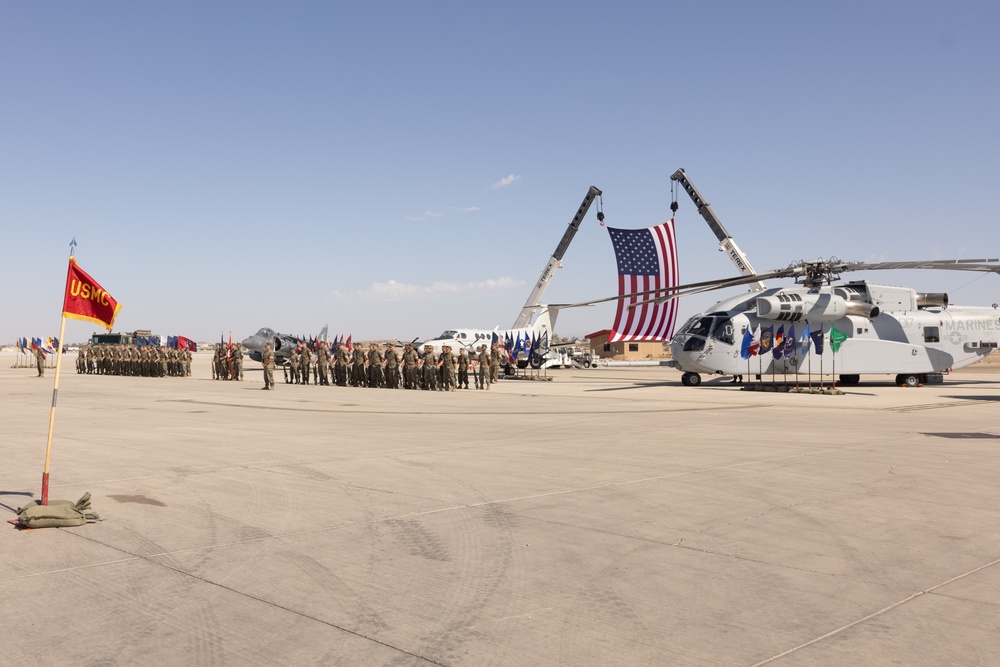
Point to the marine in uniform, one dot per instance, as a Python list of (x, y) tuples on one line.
[(495, 363), (463, 369), (483, 374), (293, 363), (447, 365), (375, 378), (304, 363), (340, 366), (323, 363), (358, 375), (40, 361), (238, 362), (391, 367), (267, 359), (428, 369), (411, 362)]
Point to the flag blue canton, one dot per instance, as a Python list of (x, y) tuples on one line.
[(635, 252)]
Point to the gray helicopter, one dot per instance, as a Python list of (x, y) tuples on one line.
[(880, 329)]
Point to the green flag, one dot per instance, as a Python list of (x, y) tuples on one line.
[(836, 338)]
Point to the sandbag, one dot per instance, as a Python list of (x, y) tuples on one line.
[(57, 514)]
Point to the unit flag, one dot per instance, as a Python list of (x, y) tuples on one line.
[(86, 300)]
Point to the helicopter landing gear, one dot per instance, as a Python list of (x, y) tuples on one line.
[(908, 380), (850, 379), (690, 379)]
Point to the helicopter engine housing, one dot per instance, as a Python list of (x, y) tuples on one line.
[(815, 307), (932, 300)]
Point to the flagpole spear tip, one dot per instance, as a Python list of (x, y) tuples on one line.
[(72, 247)]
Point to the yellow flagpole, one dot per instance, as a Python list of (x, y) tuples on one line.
[(52, 414), (55, 395)]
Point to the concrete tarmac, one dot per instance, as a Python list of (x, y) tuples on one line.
[(609, 517)]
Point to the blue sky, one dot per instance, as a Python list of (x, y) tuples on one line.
[(394, 169)]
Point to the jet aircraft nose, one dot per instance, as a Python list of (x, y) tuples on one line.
[(254, 342)]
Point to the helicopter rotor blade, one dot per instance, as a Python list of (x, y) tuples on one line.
[(712, 285), (814, 272), (985, 265), (680, 290)]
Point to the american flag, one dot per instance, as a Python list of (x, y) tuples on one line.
[(647, 260)]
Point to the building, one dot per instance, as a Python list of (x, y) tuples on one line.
[(630, 350)]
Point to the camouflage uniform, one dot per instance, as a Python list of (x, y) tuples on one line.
[(375, 378), (428, 372), (391, 367), (267, 359), (463, 369), (40, 361), (358, 376), (495, 364), (304, 363), (238, 362), (340, 366), (323, 363), (293, 362), (447, 363), (483, 374), (411, 363)]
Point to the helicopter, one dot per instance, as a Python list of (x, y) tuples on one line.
[(886, 329)]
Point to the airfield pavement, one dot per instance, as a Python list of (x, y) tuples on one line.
[(609, 517)]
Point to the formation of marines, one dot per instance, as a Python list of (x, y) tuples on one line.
[(133, 360), (388, 369)]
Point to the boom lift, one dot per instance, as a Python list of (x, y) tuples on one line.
[(726, 242)]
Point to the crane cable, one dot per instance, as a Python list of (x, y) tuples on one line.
[(673, 198), (600, 209)]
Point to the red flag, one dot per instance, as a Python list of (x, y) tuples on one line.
[(348, 343), (86, 300)]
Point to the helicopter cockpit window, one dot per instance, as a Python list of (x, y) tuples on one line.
[(698, 331), (700, 327), (724, 331)]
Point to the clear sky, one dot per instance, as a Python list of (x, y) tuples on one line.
[(393, 169)]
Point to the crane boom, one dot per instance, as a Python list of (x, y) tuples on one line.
[(726, 242), (535, 298)]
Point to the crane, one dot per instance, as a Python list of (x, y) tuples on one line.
[(535, 298), (726, 242)]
